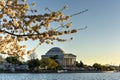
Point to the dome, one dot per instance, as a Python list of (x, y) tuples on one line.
[(55, 51)]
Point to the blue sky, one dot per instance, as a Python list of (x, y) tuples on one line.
[(100, 42)]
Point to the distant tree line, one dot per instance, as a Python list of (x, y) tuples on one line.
[(36, 64), (97, 66)]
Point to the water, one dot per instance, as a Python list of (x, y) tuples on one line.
[(60, 76)]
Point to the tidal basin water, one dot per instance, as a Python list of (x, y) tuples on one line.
[(60, 76)]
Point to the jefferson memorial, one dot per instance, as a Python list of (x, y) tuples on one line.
[(65, 60)]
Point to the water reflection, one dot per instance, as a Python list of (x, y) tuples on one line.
[(61, 76)]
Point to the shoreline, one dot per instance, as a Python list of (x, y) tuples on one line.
[(58, 72)]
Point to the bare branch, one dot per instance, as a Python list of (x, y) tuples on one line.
[(78, 13)]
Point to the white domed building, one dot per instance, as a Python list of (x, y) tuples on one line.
[(65, 60)]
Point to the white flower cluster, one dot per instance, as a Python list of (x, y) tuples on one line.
[(9, 46), (21, 27)]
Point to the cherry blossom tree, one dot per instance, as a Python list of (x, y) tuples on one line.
[(17, 26)]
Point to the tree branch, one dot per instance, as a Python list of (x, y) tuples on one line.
[(4, 31)]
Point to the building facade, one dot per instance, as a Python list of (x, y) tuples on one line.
[(65, 60)]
